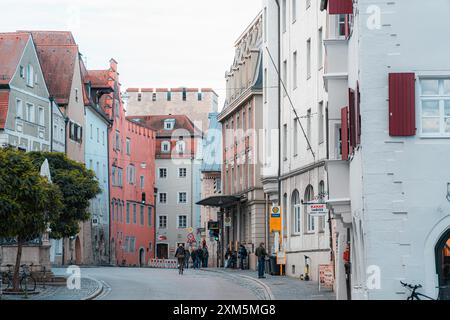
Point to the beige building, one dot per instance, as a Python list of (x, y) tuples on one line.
[(193, 102)]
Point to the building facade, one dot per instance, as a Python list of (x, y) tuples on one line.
[(177, 170), (25, 113), (211, 185), (390, 192), (305, 238), (241, 121), (132, 181)]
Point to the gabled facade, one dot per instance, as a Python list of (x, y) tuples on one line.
[(177, 170), (25, 108)]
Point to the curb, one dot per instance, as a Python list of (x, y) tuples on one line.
[(97, 292), (268, 293)]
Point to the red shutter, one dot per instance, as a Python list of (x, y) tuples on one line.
[(352, 119), (340, 6), (358, 115), (344, 132), (402, 106)]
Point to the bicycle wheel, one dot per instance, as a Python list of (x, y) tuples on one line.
[(28, 283)]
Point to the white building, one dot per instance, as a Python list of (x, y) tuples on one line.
[(388, 82), (305, 238)]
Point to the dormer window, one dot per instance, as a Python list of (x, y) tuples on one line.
[(30, 76), (169, 124), (165, 147)]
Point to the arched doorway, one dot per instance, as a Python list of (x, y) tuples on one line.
[(142, 257), (443, 265), (78, 251)]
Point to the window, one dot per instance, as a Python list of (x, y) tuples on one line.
[(309, 195), (98, 134), (119, 177), (22, 72), (154, 96), (29, 112), (296, 214), (199, 96), (265, 24), (91, 130), (162, 222), (128, 213), (113, 176), (182, 172), (19, 109), (321, 197), (76, 95), (30, 76), (163, 197), (283, 16), (321, 122), (285, 137), (182, 222), (308, 125), (103, 137), (320, 49), (128, 146), (134, 213), (142, 182), (117, 140), (184, 95), (181, 146), (165, 147), (294, 10), (162, 173), (113, 208), (142, 215), (285, 70), (308, 58), (41, 117), (139, 97), (294, 70), (295, 137), (342, 25), (131, 174), (169, 96), (169, 124), (117, 108), (182, 197), (149, 216), (435, 107)]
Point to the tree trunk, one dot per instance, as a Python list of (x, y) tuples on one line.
[(16, 280)]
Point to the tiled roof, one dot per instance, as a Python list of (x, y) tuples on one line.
[(99, 78), (11, 49), (4, 98), (57, 52), (157, 123)]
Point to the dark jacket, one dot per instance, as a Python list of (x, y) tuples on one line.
[(242, 252), (180, 253), (261, 252), (205, 252), (200, 253)]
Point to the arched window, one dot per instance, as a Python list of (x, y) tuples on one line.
[(113, 204), (296, 212), (165, 147), (284, 209), (310, 220)]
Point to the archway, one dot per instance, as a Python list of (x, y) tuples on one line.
[(142, 257), (443, 265)]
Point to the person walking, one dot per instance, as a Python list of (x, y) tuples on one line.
[(205, 256), (261, 253), (194, 258), (199, 257), (187, 256), (242, 256), (180, 255)]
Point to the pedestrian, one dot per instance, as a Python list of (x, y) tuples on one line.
[(242, 256), (194, 258), (228, 257), (187, 256), (205, 256), (261, 253), (199, 257), (180, 254)]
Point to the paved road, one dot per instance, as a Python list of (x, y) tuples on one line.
[(161, 284)]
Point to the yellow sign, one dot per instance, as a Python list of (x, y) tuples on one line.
[(275, 219)]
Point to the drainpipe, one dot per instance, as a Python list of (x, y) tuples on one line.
[(109, 192), (51, 123), (279, 101)]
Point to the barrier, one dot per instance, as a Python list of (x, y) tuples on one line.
[(163, 263)]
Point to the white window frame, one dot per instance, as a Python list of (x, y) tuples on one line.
[(179, 226), (169, 124), (179, 197), (179, 173), (30, 76), (181, 146), (30, 115), (442, 98), (159, 173), (165, 145), (166, 220), (19, 108), (159, 198), (297, 218), (128, 146)]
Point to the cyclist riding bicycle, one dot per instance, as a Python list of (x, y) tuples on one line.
[(179, 254)]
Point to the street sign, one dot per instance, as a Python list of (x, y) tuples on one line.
[(227, 221), (317, 209), (275, 219)]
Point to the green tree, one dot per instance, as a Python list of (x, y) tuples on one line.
[(28, 202), (78, 186)]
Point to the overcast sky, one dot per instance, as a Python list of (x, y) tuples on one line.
[(158, 43)]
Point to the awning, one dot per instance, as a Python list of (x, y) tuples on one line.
[(219, 201)]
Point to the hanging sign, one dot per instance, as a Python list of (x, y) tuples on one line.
[(227, 221), (317, 209)]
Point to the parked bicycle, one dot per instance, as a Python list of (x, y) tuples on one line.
[(414, 294), (26, 280)]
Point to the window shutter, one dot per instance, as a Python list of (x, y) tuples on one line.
[(344, 132), (340, 6), (358, 115), (352, 120), (402, 106)]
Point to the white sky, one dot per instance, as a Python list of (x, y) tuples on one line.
[(158, 43)]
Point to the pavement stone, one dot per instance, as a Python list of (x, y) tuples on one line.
[(281, 287)]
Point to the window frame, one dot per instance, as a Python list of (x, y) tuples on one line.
[(441, 97), (166, 218), (179, 226)]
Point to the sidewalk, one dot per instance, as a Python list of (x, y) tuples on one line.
[(90, 288), (282, 288)]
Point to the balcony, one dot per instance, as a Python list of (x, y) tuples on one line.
[(338, 172)]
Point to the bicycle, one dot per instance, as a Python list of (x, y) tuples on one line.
[(8, 276), (414, 294), (26, 280)]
